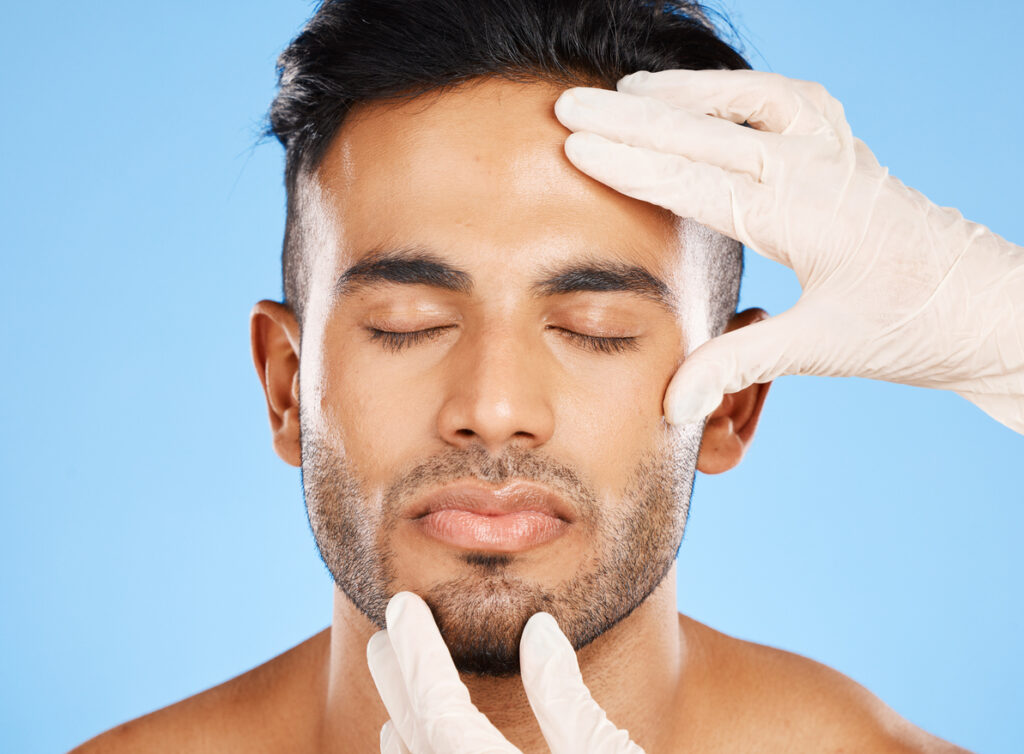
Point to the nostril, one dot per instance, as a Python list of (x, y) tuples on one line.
[(465, 432)]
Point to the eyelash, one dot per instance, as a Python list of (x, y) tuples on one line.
[(396, 341), (601, 345)]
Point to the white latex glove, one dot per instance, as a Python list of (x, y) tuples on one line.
[(894, 287), (429, 706)]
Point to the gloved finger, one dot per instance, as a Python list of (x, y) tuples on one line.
[(767, 101), (569, 718), (390, 741), (654, 124), (446, 720), (759, 352), (717, 198), (387, 677)]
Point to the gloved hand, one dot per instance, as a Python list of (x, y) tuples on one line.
[(894, 287), (430, 709)]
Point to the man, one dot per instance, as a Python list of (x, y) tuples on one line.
[(497, 366)]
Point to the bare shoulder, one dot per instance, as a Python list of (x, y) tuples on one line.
[(788, 702), (261, 710)]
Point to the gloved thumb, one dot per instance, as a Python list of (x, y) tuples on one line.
[(757, 352), (569, 718)]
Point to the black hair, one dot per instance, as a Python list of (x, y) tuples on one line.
[(357, 51)]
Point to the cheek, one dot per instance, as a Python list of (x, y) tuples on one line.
[(614, 416), (379, 413)]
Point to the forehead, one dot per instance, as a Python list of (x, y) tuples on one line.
[(479, 171)]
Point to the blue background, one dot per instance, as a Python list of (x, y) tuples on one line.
[(152, 544)]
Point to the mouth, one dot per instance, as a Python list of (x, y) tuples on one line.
[(513, 518)]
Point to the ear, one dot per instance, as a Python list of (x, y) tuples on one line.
[(275, 352), (730, 428)]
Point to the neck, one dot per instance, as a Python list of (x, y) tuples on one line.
[(641, 658)]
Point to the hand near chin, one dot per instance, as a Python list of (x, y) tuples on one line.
[(430, 708), (894, 287)]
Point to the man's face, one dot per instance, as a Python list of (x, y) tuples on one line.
[(544, 309)]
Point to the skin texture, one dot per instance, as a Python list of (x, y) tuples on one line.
[(479, 175)]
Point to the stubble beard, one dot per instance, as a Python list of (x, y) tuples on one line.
[(481, 614)]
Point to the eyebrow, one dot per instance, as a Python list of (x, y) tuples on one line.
[(411, 265), (417, 265), (605, 275)]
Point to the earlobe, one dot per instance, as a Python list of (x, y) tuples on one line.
[(730, 428), (274, 334)]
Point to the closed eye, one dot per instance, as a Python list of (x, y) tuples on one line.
[(396, 341), (599, 343)]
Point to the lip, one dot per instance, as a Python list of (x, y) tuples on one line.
[(512, 518)]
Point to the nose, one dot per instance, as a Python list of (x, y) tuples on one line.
[(498, 393)]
